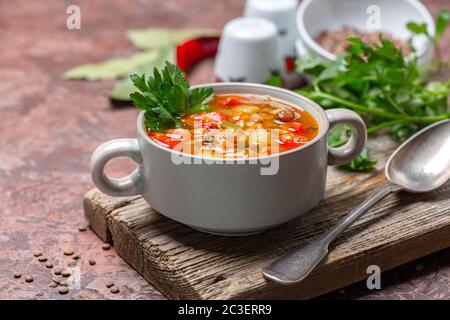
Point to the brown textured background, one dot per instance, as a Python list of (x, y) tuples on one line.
[(49, 128)]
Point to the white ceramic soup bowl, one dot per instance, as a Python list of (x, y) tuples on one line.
[(231, 198), (314, 16)]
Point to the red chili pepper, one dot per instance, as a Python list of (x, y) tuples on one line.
[(297, 127), (194, 50), (289, 63)]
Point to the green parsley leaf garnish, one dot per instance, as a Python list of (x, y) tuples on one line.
[(339, 136), (166, 98), (362, 163)]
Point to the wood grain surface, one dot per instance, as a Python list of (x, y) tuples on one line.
[(184, 263)]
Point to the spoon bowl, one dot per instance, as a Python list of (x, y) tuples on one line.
[(422, 163)]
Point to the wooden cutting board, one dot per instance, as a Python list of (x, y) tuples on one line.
[(186, 264)]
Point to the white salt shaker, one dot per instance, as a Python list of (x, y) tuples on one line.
[(283, 14), (248, 51)]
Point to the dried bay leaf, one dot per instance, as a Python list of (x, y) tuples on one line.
[(114, 68), (122, 89)]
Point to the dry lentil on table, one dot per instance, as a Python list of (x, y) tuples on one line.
[(66, 273), (63, 290), (68, 250), (57, 280), (37, 253), (114, 289)]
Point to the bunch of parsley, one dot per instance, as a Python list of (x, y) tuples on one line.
[(165, 97), (338, 137), (381, 85)]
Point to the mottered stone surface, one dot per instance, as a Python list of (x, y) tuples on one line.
[(49, 128)]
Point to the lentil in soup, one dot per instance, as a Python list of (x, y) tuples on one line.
[(240, 126)]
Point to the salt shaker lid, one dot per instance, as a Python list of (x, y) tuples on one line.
[(250, 28), (271, 6)]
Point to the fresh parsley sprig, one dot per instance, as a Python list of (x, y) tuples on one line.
[(443, 20), (165, 97)]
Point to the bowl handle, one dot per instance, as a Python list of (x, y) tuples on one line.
[(126, 186), (357, 141)]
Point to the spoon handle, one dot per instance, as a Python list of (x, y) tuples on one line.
[(360, 210), (297, 265)]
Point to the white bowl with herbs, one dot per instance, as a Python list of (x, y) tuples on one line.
[(324, 26)]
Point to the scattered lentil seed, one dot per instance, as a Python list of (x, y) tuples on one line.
[(49, 265), (53, 284), (42, 258), (63, 283), (39, 294), (106, 246), (114, 289), (17, 274), (28, 278), (68, 250), (76, 256), (66, 273), (37, 253), (92, 262), (56, 280), (63, 290), (58, 271), (109, 284), (82, 228)]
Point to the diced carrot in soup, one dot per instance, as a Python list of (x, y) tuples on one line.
[(232, 118)]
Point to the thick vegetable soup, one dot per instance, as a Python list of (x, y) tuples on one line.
[(240, 126)]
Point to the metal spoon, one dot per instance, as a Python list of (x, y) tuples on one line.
[(421, 164)]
